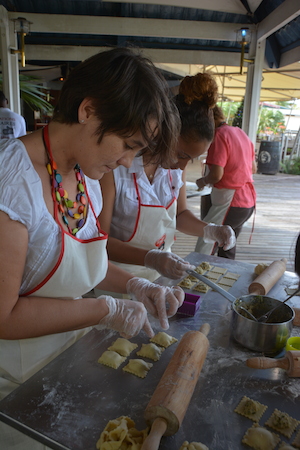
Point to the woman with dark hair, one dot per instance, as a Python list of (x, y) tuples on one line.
[(53, 249), (145, 204)]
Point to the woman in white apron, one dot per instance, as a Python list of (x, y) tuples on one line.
[(145, 204), (52, 248)]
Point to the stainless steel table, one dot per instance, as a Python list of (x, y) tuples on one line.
[(67, 404)]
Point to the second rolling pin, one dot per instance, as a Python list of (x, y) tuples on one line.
[(290, 362), (171, 398)]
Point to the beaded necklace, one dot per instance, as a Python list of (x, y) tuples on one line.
[(65, 205), (60, 195)]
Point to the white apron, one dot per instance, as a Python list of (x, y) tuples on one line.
[(82, 264), (221, 200), (155, 228)]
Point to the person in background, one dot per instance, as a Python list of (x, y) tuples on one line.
[(52, 248), (297, 257), (144, 205), (231, 163), (12, 125)]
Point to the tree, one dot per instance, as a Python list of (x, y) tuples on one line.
[(32, 93), (238, 118)]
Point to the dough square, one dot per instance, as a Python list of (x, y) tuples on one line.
[(193, 446), (205, 265), (121, 432), (123, 347), (212, 275), (111, 359), (296, 441), (220, 270), (231, 275), (227, 281), (200, 270), (286, 446), (151, 351), (224, 286), (201, 287), (186, 283), (163, 339), (250, 408), (260, 438), (192, 278), (282, 422), (138, 367)]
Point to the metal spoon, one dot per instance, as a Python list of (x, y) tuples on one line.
[(248, 312), (266, 316)]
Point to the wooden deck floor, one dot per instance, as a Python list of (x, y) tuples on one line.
[(277, 220)]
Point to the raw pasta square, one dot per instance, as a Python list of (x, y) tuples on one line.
[(227, 281), (220, 270), (123, 347), (205, 265), (200, 270), (282, 422), (201, 287), (233, 276), (285, 446), (163, 339), (250, 408), (212, 275), (296, 441), (186, 283), (224, 286), (260, 438), (138, 367), (151, 351), (111, 359)]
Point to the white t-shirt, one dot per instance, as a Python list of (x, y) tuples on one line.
[(160, 192), (21, 198), (12, 125)]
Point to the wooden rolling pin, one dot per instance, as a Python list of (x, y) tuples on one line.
[(290, 362), (170, 400), (266, 280)]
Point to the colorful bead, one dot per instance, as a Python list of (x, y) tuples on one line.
[(62, 197)]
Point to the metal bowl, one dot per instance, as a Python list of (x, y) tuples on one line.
[(269, 338)]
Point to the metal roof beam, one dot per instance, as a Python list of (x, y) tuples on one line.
[(282, 15), (79, 53), (234, 6), (130, 26)]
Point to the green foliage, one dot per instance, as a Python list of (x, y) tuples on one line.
[(32, 93), (271, 121), (291, 166), (229, 110), (238, 118)]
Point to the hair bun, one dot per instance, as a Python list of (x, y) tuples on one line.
[(201, 87)]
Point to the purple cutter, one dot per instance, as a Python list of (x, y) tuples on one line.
[(190, 305)]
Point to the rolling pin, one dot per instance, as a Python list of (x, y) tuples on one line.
[(266, 280), (170, 400), (290, 362)]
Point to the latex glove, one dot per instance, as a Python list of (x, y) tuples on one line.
[(160, 301), (222, 234), (167, 264), (125, 316)]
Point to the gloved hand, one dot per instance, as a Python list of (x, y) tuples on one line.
[(222, 234), (167, 264), (160, 301), (125, 316)]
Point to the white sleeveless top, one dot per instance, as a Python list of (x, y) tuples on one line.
[(126, 202), (21, 198)]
